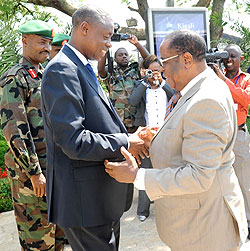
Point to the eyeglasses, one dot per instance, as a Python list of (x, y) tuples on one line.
[(165, 60)]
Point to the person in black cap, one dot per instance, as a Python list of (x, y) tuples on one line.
[(57, 43), (22, 125)]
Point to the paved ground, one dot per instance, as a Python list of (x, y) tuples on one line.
[(135, 235)]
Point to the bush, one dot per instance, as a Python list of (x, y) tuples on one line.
[(5, 195), (5, 190)]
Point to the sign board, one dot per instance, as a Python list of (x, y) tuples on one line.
[(161, 22)]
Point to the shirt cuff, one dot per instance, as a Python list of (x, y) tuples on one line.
[(139, 182)]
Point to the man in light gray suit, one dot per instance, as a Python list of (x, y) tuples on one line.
[(198, 201)]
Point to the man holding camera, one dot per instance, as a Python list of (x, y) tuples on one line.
[(120, 82), (239, 85)]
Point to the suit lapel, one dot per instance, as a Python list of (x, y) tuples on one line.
[(92, 82), (181, 102)]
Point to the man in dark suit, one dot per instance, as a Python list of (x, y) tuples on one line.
[(82, 129)]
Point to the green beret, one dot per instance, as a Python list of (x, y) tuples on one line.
[(37, 27), (60, 39)]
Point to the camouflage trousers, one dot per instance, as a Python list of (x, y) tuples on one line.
[(35, 233)]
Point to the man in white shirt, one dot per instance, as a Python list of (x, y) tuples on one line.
[(198, 201)]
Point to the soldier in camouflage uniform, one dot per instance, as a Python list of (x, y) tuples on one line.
[(23, 130), (57, 43), (120, 82)]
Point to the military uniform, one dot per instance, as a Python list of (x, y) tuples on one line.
[(60, 39), (120, 85), (22, 125)]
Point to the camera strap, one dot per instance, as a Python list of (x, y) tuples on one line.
[(237, 80)]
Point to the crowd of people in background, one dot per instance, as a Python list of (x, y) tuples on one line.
[(169, 126)]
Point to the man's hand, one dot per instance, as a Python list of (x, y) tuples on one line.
[(137, 147), (133, 39), (219, 72), (39, 184), (125, 171), (147, 134)]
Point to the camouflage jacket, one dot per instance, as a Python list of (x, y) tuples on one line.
[(120, 85), (21, 120)]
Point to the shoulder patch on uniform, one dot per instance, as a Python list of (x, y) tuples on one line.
[(11, 72)]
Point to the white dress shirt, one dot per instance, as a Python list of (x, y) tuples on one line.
[(156, 104)]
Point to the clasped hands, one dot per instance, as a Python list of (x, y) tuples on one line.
[(139, 142)]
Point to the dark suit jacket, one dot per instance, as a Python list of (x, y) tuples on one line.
[(138, 99), (82, 130)]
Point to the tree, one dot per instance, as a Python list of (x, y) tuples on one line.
[(216, 17), (13, 12)]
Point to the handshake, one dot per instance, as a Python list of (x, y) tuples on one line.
[(139, 142)]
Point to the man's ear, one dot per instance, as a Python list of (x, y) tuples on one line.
[(188, 59), (24, 40), (84, 27), (241, 58)]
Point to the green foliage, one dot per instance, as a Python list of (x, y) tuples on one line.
[(126, 2), (5, 196), (217, 19), (3, 149), (248, 122), (9, 49), (13, 14), (244, 44), (67, 29)]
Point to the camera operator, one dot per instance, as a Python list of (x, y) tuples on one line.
[(120, 82), (150, 96), (239, 85)]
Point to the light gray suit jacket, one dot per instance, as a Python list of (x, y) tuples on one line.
[(198, 201)]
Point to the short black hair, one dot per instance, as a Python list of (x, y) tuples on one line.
[(188, 41), (118, 50), (89, 14), (236, 47)]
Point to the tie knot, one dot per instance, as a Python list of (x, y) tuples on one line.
[(90, 69), (176, 97)]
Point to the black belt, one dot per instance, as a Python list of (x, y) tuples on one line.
[(242, 127)]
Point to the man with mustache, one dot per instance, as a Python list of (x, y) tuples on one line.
[(120, 82), (21, 120), (239, 85)]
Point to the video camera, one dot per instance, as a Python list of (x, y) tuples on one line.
[(117, 37), (214, 56)]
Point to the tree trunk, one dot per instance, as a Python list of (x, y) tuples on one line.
[(142, 8), (216, 30), (61, 5), (203, 3)]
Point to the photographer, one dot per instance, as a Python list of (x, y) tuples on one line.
[(120, 81), (150, 96), (239, 85)]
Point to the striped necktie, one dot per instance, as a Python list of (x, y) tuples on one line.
[(172, 102)]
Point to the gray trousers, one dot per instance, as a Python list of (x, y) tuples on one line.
[(242, 166)]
